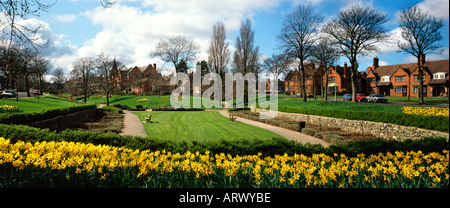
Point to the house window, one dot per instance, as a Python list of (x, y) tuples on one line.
[(385, 79), (399, 90), (416, 78), (331, 79), (400, 78), (370, 80), (439, 76), (358, 79), (415, 89)]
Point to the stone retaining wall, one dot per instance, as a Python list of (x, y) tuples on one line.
[(382, 130)]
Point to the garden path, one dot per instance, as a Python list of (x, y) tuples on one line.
[(286, 133), (132, 125)]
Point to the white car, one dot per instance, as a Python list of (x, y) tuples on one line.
[(376, 98), (9, 94)]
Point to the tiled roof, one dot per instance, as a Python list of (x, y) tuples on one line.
[(430, 66)]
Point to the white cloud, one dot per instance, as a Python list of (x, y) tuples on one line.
[(131, 29), (58, 50), (437, 8), (66, 18)]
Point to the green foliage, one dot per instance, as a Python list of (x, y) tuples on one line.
[(111, 109), (45, 113)]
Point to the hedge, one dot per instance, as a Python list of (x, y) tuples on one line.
[(438, 123), (46, 113), (271, 147)]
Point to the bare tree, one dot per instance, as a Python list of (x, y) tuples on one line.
[(58, 78), (175, 50), (356, 31), (297, 37), (420, 34), (324, 53), (40, 67), (246, 55), (218, 52), (105, 65), (277, 64), (14, 10), (82, 74), (107, 3)]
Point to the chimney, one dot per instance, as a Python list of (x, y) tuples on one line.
[(375, 63), (154, 66), (422, 59), (345, 70)]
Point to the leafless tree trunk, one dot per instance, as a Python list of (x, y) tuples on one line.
[(420, 34), (324, 52), (40, 67), (245, 57), (356, 31), (277, 64), (297, 38), (82, 73), (105, 64)]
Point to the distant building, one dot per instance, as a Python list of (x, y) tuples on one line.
[(391, 80), (280, 85), (313, 77), (146, 79), (402, 79)]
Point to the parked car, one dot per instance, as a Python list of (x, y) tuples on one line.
[(376, 98), (9, 94), (35, 92), (309, 95), (347, 97), (361, 97)]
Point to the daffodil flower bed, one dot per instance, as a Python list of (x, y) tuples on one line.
[(68, 164), (426, 111), (143, 100), (9, 109)]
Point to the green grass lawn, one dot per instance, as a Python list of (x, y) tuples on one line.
[(428, 100), (132, 101), (33, 104), (200, 126), (293, 102)]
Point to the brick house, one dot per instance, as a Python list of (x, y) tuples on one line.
[(147, 79), (292, 84), (280, 85), (402, 79), (341, 77)]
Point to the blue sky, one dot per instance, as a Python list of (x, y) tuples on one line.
[(131, 28)]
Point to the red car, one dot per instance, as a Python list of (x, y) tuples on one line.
[(361, 97)]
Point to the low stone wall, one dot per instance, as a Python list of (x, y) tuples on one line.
[(382, 130), (65, 121)]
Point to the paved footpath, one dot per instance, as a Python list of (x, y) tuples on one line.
[(286, 133), (132, 125)]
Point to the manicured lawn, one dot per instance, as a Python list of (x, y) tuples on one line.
[(293, 102), (33, 104), (200, 126), (429, 100), (132, 101)]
